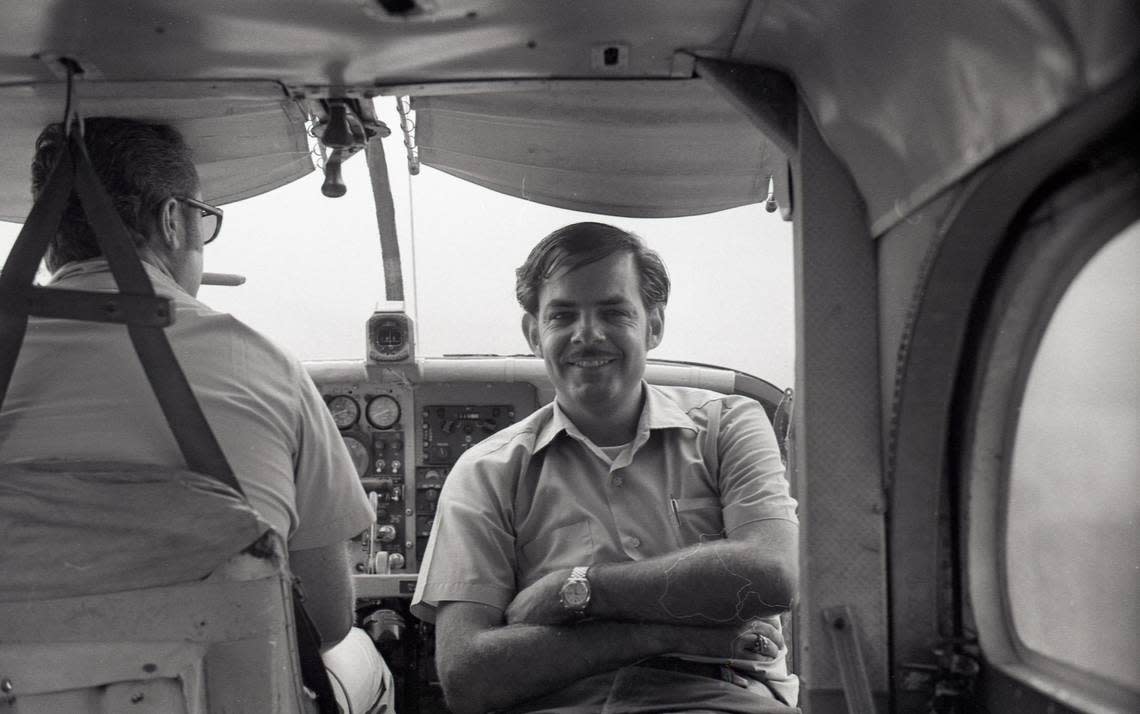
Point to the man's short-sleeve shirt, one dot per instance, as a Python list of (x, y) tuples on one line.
[(78, 391), (538, 496)]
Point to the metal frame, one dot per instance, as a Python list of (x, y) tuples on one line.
[(1079, 218), (935, 352)]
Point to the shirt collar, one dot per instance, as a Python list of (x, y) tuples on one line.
[(658, 412), (98, 272), (661, 412), (554, 425)]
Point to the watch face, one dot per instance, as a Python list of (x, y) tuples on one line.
[(575, 594)]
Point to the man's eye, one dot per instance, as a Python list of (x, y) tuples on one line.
[(558, 316)]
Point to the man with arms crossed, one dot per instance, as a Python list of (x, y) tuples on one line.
[(573, 553), (78, 390)]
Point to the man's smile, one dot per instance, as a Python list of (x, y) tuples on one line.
[(591, 362)]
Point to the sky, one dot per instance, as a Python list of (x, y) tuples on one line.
[(314, 276)]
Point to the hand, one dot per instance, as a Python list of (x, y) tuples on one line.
[(754, 640), (540, 604)]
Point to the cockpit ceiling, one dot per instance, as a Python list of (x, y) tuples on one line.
[(911, 96)]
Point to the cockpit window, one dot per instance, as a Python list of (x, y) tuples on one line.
[(314, 274)]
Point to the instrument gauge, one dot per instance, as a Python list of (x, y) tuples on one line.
[(359, 454), (383, 412), (389, 337), (345, 411)]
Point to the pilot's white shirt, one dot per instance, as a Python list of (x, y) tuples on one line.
[(79, 391)]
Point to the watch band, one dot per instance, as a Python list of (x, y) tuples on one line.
[(575, 592)]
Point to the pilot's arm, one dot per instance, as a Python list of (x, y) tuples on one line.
[(326, 583), (331, 508)]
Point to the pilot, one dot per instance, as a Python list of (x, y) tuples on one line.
[(78, 390), (626, 548)]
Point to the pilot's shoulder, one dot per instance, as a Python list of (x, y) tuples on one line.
[(240, 347)]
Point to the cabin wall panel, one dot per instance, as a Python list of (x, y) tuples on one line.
[(904, 253), (838, 443)]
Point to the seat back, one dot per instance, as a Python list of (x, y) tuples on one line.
[(133, 588), (96, 557)]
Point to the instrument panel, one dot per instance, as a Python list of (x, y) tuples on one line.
[(403, 438), (406, 425)]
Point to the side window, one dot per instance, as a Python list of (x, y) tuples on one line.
[(1050, 453), (1073, 501)]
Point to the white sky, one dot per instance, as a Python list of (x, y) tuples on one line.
[(314, 276)]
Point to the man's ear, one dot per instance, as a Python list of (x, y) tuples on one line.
[(530, 332), (656, 326), (169, 221)]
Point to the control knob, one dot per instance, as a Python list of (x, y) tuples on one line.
[(386, 533)]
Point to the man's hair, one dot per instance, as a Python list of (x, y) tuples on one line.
[(579, 244), (141, 165)]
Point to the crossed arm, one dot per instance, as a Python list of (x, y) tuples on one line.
[(699, 601)]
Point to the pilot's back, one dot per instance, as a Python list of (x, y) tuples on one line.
[(79, 391)]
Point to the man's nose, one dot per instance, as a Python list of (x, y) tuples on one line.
[(588, 330)]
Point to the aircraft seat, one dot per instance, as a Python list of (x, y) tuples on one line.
[(136, 588)]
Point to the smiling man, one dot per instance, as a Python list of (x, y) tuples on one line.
[(626, 548)]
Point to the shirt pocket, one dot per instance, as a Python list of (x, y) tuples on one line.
[(566, 546), (698, 520)]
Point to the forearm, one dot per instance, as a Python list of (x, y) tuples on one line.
[(503, 666), (715, 583)]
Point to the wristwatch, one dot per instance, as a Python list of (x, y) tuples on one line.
[(575, 592)]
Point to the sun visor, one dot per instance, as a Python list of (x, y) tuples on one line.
[(246, 137), (638, 148)]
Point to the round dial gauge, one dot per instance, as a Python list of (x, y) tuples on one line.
[(383, 412), (345, 411), (359, 454)]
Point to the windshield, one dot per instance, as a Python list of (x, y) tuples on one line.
[(314, 272)]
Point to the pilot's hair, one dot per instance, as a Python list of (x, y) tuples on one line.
[(579, 244), (140, 165)]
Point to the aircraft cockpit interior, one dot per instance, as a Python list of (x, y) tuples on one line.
[(405, 420), (903, 240)]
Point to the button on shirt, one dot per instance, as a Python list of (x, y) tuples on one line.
[(539, 496)]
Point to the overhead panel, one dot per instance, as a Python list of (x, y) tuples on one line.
[(246, 137), (635, 148)]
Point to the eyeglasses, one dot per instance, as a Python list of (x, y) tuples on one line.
[(211, 217)]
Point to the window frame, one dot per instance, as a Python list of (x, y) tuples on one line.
[(1049, 249)]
